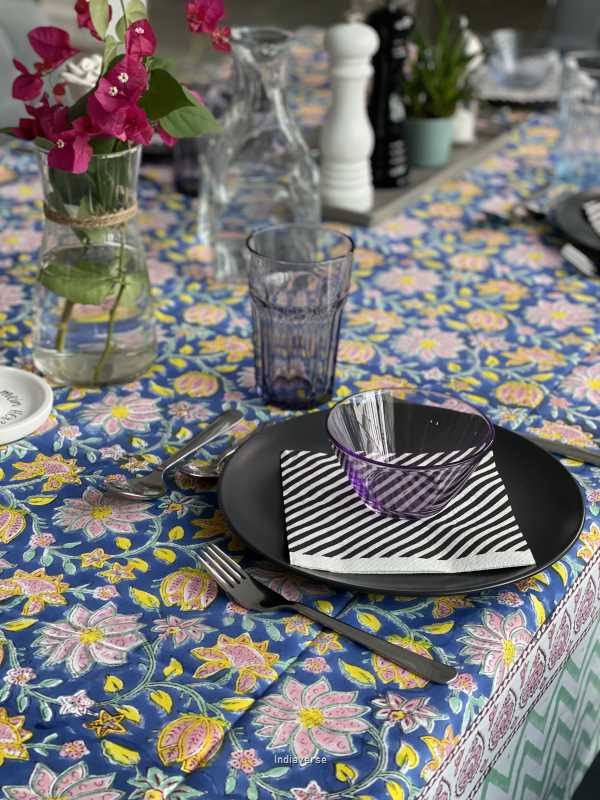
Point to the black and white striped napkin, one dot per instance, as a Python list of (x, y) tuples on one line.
[(330, 528)]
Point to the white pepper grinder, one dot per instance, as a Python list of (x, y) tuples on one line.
[(347, 138)]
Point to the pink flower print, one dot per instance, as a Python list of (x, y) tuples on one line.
[(408, 280), (117, 414), (510, 599), (19, 675), (316, 664), (41, 540), (534, 255), (307, 719), (70, 431), (78, 704), (235, 608), (97, 513), (105, 592), (246, 377), (310, 792), (74, 783), (429, 345), (16, 241), (159, 271), (560, 314), (181, 630), (75, 749), (10, 296), (283, 583), (245, 760), (583, 384), (497, 643), (86, 638), (404, 227), (115, 452), (409, 713), (463, 682)]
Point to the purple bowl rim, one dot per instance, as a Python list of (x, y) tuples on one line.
[(477, 455)]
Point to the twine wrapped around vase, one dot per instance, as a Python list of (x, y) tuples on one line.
[(98, 221)]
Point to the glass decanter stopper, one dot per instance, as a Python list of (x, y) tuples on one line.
[(258, 171)]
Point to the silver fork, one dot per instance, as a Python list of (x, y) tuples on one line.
[(243, 589)]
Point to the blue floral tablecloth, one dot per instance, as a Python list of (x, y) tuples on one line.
[(125, 673)]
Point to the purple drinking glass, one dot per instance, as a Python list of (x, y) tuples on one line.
[(407, 453), (299, 278)]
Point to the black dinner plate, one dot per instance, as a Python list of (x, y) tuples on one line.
[(545, 498), (569, 217)]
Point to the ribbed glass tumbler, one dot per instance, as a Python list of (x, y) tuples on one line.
[(299, 277)]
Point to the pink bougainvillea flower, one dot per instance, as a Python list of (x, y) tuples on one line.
[(166, 137), (52, 45), (105, 122), (27, 85), (122, 86), (71, 153), (28, 129), (203, 16), (136, 126), (220, 39), (84, 19), (85, 638), (140, 39)]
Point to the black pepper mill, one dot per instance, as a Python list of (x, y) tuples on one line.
[(393, 23)]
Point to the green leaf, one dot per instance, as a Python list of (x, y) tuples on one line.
[(45, 711), (102, 145), (134, 285), (165, 94), (230, 783), (46, 144), (190, 121), (86, 282), (111, 46), (276, 772), (136, 10), (79, 108), (252, 791), (100, 14), (155, 62)]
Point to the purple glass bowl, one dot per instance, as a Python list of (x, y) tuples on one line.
[(407, 453)]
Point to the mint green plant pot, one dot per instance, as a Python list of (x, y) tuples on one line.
[(428, 141)]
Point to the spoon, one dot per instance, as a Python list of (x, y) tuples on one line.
[(151, 486), (214, 468)]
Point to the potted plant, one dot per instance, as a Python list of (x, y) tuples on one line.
[(434, 83), (93, 316)]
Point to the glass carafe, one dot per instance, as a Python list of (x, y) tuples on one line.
[(93, 315), (259, 171)]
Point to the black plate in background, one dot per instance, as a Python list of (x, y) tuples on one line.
[(545, 498), (569, 217)]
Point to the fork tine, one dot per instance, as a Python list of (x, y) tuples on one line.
[(225, 561), (221, 577)]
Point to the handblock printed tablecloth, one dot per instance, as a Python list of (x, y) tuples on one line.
[(126, 674)]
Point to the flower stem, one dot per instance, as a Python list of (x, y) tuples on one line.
[(61, 332), (112, 314)]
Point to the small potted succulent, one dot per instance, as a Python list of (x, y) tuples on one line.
[(435, 82)]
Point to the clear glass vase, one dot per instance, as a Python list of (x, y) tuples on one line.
[(258, 171), (93, 316)]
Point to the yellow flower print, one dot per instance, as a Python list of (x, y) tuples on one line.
[(95, 558), (251, 660), (214, 526), (326, 642), (381, 381), (39, 588), (388, 672), (13, 737), (541, 357), (188, 588), (445, 210), (512, 292), (237, 349), (366, 260), (297, 624), (355, 352), (536, 583), (444, 606), (439, 749), (472, 262), (56, 469), (119, 572), (107, 723), (190, 740), (204, 314), (591, 542), (196, 384), (519, 393), (383, 321), (12, 523)]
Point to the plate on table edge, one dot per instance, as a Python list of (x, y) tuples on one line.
[(546, 500), (568, 216)]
